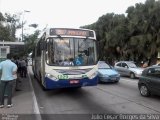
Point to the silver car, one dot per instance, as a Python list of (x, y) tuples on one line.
[(158, 64), (128, 68)]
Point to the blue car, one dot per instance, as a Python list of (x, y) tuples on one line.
[(107, 73)]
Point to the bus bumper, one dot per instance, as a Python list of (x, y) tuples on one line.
[(63, 83)]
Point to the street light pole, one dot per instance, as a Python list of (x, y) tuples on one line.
[(22, 31), (23, 22)]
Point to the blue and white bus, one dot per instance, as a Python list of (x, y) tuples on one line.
[(65, 57)]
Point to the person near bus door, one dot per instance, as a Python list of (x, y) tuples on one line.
[(23, 65), (9, 69), (16, 76)]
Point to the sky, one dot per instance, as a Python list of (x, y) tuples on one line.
[(64, 13)]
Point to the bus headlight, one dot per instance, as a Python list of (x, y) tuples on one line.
[(93, 75), (51, 77)]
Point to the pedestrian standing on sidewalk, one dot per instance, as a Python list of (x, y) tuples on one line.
[(16, 76), (8, 69), (23, 65)]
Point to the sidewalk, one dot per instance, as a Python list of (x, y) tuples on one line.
[(23, 103)]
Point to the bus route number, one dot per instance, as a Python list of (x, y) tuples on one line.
[(62, 76)]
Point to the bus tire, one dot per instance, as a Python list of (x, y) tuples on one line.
[(79, 87), (44, 89), (40, 81)]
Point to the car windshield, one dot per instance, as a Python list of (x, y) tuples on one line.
[(131, 65), (103, 66)]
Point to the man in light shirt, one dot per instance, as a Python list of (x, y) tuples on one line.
[(8, 69)]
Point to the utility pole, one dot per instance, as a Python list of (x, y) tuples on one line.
[(23, 22)]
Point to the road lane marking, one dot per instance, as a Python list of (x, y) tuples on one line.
[(128, 99), (36, 109), (129, 80)]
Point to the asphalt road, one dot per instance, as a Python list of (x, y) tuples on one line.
[(119, 98)]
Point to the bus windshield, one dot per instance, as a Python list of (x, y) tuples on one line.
[(71, 51)]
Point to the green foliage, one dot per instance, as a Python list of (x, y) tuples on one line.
[(8, 26), (1, 17), (134, 37), (8, 31), (33, 25), (30, 41)]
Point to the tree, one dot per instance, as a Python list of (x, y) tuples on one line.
[(30, 41), (13, 25), (144, 26), (7, 31), (33, 25), (111, 31), (3, 29), (134, 37)]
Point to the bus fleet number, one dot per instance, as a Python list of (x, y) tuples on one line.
[(62, 76)]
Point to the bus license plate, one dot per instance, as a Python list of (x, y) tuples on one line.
[(74, 81)]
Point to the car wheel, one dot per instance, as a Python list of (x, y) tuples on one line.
[(144, 91), (117, 81), (100, 81), (132, 75)]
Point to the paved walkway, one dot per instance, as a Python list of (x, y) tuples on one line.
[(23, 103)]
